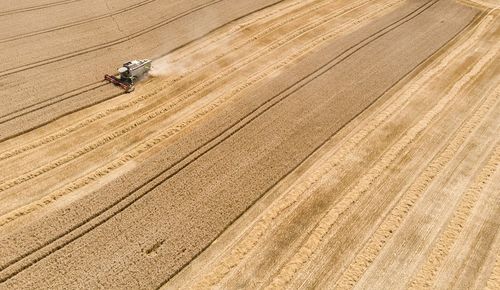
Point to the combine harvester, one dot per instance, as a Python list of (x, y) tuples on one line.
[(130, 73)]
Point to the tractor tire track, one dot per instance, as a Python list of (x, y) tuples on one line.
[(313, 152), (157, 113), (76, 23), (314, 242), (296, 194), (239, 28), (267, 30), (93, 86), (218, 36), (111, 210), (37, 7), (101, 46), (315, 6), (52, 137), (80, 90), (113, 96), (427, 274), (149, 116), (40, 125)]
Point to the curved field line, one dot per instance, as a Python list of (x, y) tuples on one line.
[(296, 193), (76, 23), (101, 46), (428, 272), (209, 145), (166, 108), (315, 240), (37, 7), (43, 141)]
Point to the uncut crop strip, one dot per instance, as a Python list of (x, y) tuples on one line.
[(364, 44), (134, 125), (292, 7), (302, 161), (303, 189), (316, 237), (111, 43), (239, 28), (275, 45), (441, 250), (76, 23), (397, 214), (269, 29), (115, 95), (101, 46), (37, 7), (394, 219), (122, 204), (173, 50), (92, 119), (41, 104)]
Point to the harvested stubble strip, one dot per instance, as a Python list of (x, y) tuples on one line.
[(313, 244), (386, 230), (427, 274)]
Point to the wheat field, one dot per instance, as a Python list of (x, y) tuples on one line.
[(326, 144)]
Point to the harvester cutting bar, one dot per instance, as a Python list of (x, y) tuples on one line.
[(114, 80)]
